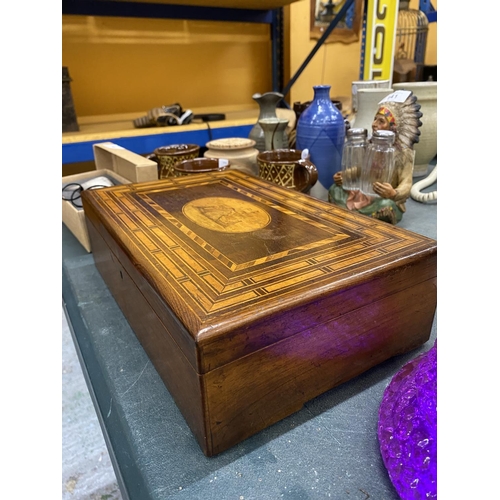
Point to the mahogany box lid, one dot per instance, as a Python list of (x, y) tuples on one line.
[(242, 263)]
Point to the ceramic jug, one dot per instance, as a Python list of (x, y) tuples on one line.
[(267, 109)]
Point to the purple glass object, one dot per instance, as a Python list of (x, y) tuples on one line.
[(407, 428)]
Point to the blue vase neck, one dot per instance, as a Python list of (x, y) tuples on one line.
[(322, 92)]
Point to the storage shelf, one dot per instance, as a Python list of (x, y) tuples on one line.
[(164, 10), (227, 4), (77, 147), (119, 129)]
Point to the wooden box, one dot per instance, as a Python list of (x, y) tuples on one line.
[(251, 299), (130, 165)]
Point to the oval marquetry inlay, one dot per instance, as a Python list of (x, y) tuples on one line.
[(227, 215)]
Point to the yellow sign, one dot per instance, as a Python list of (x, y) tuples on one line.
[(380, 40)]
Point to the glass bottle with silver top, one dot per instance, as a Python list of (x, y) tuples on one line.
[(353, 156), (379, 161)]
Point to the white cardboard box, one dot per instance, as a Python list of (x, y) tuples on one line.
[(73, 217), (137, 168)]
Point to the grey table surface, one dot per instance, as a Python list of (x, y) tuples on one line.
[(328, 449)]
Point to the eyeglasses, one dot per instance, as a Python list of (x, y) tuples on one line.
[(72, 192)]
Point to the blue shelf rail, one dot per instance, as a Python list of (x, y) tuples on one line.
[(144, 144)]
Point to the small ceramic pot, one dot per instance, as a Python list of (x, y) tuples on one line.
[(240, 152), (168, 156)]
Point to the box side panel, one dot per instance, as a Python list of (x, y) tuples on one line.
[(134, 171), (74, 220), (102, 157), (258, 334), (171, 323), (258, 390), (183, 383), (233, 292), (130, 165)]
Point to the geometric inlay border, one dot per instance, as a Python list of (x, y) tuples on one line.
[(210, 282)]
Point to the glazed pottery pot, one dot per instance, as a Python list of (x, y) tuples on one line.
[(274, 133), (168, 156), (426, 148), (267, 109)]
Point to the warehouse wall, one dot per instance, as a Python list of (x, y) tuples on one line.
[(126, 65)]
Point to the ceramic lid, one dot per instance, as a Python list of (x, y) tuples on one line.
[(231, 143)]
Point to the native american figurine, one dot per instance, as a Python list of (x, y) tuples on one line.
[(400, 113)]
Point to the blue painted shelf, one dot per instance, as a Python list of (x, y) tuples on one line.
[(77, 146)]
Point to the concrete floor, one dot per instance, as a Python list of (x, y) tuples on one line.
[(87, 472)]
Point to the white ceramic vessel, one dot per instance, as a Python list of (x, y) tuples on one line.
[(238, 150), (365, 84), (426, 148), (368, 100)]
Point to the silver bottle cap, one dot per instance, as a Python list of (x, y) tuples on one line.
[(358, 132), (385, 135)]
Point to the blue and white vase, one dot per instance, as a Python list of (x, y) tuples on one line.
[(321, 130)]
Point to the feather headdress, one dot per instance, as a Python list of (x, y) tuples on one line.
[(404, 117)]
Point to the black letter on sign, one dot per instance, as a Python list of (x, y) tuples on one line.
[(379, 30), (381, 15)]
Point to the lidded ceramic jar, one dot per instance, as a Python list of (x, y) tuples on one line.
[(238, 150)]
